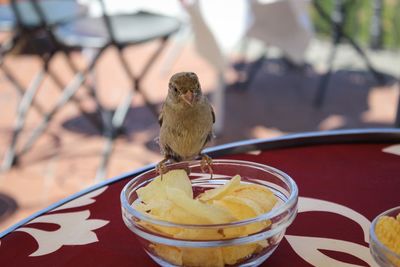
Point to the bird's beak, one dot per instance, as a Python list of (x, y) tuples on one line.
[(188, 97)]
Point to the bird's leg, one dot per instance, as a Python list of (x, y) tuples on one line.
[(161, 168), (206, 161)]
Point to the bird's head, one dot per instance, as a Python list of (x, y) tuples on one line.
[(184, 87)]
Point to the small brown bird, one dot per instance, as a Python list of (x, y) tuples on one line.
[(186, 121)]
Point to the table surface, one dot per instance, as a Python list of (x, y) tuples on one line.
[(345, 179)]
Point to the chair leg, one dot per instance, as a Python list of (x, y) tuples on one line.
[(337, 25), (137, 80), (5, 48), (377, 75), (323, 83), (106, 154), (116, 125), (181, 38), (68, 92), (122, 110), (76, 101), (218, 101), (397, 120), (100, 110), (18, 86), (253, 70), (26, 102), (136, 83)]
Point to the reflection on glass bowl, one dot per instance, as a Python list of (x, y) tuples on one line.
[(205, 249)]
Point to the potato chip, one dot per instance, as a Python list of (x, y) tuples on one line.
[(163, 230), (168, 211), (199, 234), (235, 254), (202, 257), (160, 209), (178, 179), (387, 230), (219, 192), (171, 199), (142, 207), (152, 191), (242, 209), (213, 214), (168, 253), (155, 191), (251, 208), (179, 215), (260, 195), (263, 244)]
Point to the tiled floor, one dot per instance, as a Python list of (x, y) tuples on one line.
[(279, 101)]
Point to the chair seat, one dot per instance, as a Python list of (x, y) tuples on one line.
[(7, 20), (127, 29), (55, 11)]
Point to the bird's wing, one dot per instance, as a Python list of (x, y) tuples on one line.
[(160, 117), (210, 134), (213, 114), (170, 154)]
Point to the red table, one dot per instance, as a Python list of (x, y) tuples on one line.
[(345, 179)]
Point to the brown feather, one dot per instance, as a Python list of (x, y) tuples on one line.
[(185, 128)]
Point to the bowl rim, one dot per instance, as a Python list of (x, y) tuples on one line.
[(292, 200), (374, 239)]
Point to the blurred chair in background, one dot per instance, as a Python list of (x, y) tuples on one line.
[(284, 24), (215, 36), (337, 22), (98, 34), (216, 30), (29, 25), (7, 25), (397, 119)]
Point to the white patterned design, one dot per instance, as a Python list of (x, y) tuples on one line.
[(393, 149), (75, 228), (312, 204), (84, 200), (308, 248)]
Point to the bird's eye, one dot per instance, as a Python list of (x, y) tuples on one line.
[(175, 89)]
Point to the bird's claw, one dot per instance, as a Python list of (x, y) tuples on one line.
[(206, 161), (161, 167)]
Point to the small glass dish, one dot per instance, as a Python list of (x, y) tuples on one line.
[(250, 249), (381, 253)]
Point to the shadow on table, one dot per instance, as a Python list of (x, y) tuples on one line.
[(281, 97), (7, 207), (138, 119)]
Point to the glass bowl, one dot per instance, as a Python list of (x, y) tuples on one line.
[(382, 254), (206, 247)]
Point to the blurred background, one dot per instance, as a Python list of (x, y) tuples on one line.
[(81, 82)]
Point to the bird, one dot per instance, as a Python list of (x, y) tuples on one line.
[(186, 122)]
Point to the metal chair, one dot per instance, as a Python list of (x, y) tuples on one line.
[(118, 31), (337, 22), (397, 119), (27, 25)]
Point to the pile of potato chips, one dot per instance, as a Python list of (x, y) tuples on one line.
[(387, 230), (170, 198)]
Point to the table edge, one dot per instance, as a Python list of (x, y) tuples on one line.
[(285, 141)]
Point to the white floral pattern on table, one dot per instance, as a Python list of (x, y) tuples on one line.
[(309, 249), (311, 252), (393, 149), (84, 200), (74, 227)]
